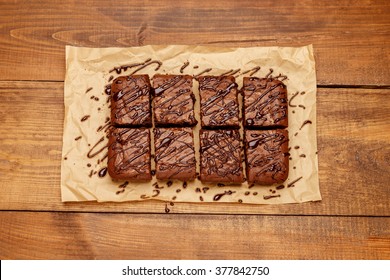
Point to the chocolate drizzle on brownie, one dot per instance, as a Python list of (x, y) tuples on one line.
[(219, 103), (131, 101), (174, 100), (266, 156), (220, 156), (175, 155), (129, 154), (265, 103)]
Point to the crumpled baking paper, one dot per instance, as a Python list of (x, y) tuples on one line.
[(88, 72)]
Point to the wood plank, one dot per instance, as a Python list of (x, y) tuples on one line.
[(40, 235), (351, 39), (353, 142)]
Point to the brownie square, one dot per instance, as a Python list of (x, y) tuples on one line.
[(218, 102), (174, 154), (173, 100), (267, 157), (130, 101), (265, 103), (220, 156), (129, 154)]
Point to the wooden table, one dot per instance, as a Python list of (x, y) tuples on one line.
[(352, 50)]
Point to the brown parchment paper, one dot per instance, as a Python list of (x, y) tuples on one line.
[(87, 110)]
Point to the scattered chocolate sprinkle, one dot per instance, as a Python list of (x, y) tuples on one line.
[(89, 89)]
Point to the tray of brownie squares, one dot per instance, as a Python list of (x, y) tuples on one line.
[(233, 147)]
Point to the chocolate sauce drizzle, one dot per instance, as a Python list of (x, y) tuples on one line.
[(220, 195), (139, 66), (292, 98), (92, 153), (102, 172), (269, 73), (130, 99), (265, 101), (184, 66), (122, 187), (252, 71), (86, 117), (174, 99), (271, 161), (219, 103), (167, 210), (266, 197), (231, 72), (305, 123), (202, 72), (175, 155), (220, 155), (292, 184), (129, 150)]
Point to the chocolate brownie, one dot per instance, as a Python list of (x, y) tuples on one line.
[(218, 102), (173, 100), (130, 102), (265, 103), (267, 156), (174, 154), (220, 156), (129, 154)]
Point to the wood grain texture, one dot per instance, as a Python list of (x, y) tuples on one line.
[(353, 143), (128, 236), (350, 39)]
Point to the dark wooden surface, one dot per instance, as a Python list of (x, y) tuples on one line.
[(351, 43)]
